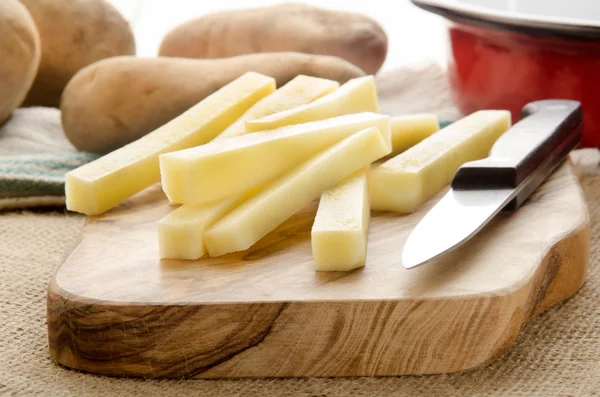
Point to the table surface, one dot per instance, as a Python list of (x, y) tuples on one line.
[(415, 35)]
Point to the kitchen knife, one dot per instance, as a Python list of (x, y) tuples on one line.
[(518, 163)]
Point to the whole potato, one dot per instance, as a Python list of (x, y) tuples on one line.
[(285, 27), (74, 34), (118, 100), (19, 55)]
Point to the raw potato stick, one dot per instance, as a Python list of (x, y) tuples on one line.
[(100, 185), (406, 181), (181, 233), (339, 233), (407, 131), (228, 166), (356, 96), (251, 221), (301, 90)]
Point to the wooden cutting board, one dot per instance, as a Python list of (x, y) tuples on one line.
[(114, 308)]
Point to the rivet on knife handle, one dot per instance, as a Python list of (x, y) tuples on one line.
[(528, 152)]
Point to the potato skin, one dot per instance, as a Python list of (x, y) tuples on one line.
[(118, 100), (74, 34), (20, 55), (285, 27)]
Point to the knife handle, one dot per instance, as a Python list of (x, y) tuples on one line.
[(528, 152)]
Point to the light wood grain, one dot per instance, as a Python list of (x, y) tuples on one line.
[(114, 308)]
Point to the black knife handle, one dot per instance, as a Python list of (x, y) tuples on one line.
[(528, 152)]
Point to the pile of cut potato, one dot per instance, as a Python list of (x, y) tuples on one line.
[(249, 156)]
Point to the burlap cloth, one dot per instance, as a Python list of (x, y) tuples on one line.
[(557, 354)]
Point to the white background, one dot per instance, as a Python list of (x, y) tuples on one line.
[(414, 35)]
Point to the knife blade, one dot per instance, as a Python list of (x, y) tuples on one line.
[(518, 163)]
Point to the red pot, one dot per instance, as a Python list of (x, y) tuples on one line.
[(503, 60)]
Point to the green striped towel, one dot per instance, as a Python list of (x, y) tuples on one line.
[(34, 157), (37, 180), (38, 175)]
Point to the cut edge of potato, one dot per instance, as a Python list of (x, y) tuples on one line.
[(340, 230)]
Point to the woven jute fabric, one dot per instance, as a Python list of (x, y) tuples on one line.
[(556, 354), (34, 157)]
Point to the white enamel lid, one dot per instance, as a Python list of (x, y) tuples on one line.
[(572, 18)]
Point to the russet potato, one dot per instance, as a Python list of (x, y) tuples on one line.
[(74, 34), (284, 27), (19, 55)]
